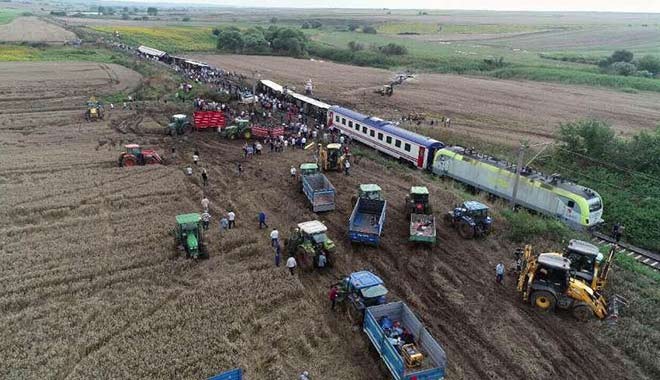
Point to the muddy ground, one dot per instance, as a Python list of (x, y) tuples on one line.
[(505, 111), (91, 287)]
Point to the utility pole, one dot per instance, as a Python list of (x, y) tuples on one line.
[(519, 165)]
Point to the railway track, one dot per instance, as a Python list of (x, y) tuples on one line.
[(644, 256)]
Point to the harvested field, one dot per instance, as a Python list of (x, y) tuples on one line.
[(90, 286), (503, 110), (32, 29)]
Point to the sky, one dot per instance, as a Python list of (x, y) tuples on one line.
[(509, 5)]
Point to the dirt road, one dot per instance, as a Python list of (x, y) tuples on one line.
[(502, 111), (32, 29), (90, 286)]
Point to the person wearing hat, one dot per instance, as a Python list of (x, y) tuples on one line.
[(304, 376)]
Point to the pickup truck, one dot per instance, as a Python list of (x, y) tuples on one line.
[(367, 220), (319, 191), (407, 348)]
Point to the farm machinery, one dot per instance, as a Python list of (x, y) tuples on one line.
[(331, 157), (386, 90), (307, 242), (420, 216), (471, 219), (360, 290), (178, 125), (239, 128), (549, 281), (189, 237), (94, 110), (135, 155)]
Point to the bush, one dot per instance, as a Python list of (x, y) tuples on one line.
[(315, 24), (353, 27), (524, 227), (649, 63), (305, 25), (623, 68), (393, 49), (355, 46), (369, 30), (185, 19), (621, 56)]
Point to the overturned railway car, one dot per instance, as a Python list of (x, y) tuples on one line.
[(576, 205)]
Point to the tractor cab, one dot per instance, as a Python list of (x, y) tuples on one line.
[(585, 259), (418, 200), (308, 169), (332, 157), (363, 289), (471, 219), (239, 127), (178, 124), (553, 271), (370, 191), (188, 234), (314, 234), (475, 210), (133, 149)]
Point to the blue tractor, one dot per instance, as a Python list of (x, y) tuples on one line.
[(470, 219), (360, 290)]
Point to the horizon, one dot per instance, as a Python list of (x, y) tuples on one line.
[(632, 6)]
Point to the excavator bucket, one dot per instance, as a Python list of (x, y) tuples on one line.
[(616, 303)]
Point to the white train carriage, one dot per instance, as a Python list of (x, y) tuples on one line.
[(576, 205), (385, 137)]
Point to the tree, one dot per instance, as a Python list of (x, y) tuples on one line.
[(125, 16), (393, 49), (621, 56), (255, 42), (152, 11), (649, 63), (623, 68), (352, 27), (591, 138), (273, 20), (231, 40), (315, 24), (305, 25)]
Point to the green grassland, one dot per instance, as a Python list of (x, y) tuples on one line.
[(7, 15), (167, 38), (23, 53)]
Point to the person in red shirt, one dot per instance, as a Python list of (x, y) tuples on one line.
[(333, 296)]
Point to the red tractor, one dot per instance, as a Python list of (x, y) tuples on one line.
[(135, 155)]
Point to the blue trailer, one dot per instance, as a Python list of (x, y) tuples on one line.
[(422, 358), (319, 191), (368, 217), (234, 374)]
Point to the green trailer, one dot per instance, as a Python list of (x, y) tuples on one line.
[(420, 215)]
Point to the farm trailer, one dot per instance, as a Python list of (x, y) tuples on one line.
[(367, 220), (434, 361), (319, 191)]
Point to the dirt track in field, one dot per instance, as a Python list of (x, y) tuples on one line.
[(32, 29), (504, 111)]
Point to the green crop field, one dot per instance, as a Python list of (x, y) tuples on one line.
[(167, 38), (14, 53), (7, 15)]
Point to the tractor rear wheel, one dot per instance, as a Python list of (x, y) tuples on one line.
[(581, 312), (466, 231), (128, 161), (448, 219), (543, 301)]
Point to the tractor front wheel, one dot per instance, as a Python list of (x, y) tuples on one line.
[(543, 301), (128, 161), (581, 312)]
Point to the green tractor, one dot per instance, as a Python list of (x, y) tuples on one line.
[(417, 202), (307, 242), (189, 237), (239, 128), (178, 126), (368, 191)]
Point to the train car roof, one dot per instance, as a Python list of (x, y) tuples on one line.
[(387, 126)]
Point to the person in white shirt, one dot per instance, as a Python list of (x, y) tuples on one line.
[(232, 219), (303, 141), (347, 166), (206, 218), (189, 170), (205, 204), (291, 264), (274, 237), (293, 171)]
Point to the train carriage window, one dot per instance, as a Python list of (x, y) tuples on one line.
[(388, 139), (571, 204), (336, 119), (380, 136), (357, 126), (343, 121), (364, 130), (372, 133), (397, 143), (406, 147), (350, 124)]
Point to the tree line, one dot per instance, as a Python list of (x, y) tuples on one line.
[(258, 40)]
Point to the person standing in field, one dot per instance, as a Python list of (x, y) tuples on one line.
[(274, 237), (262, 220), (333, 294), (173, 154), (205, 203), (278, 250), (291, 264), (196, 159), (499, 273), (231, 216), (205, 177), (206, 218), (293, 172), (224, 223), (347, 167)]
